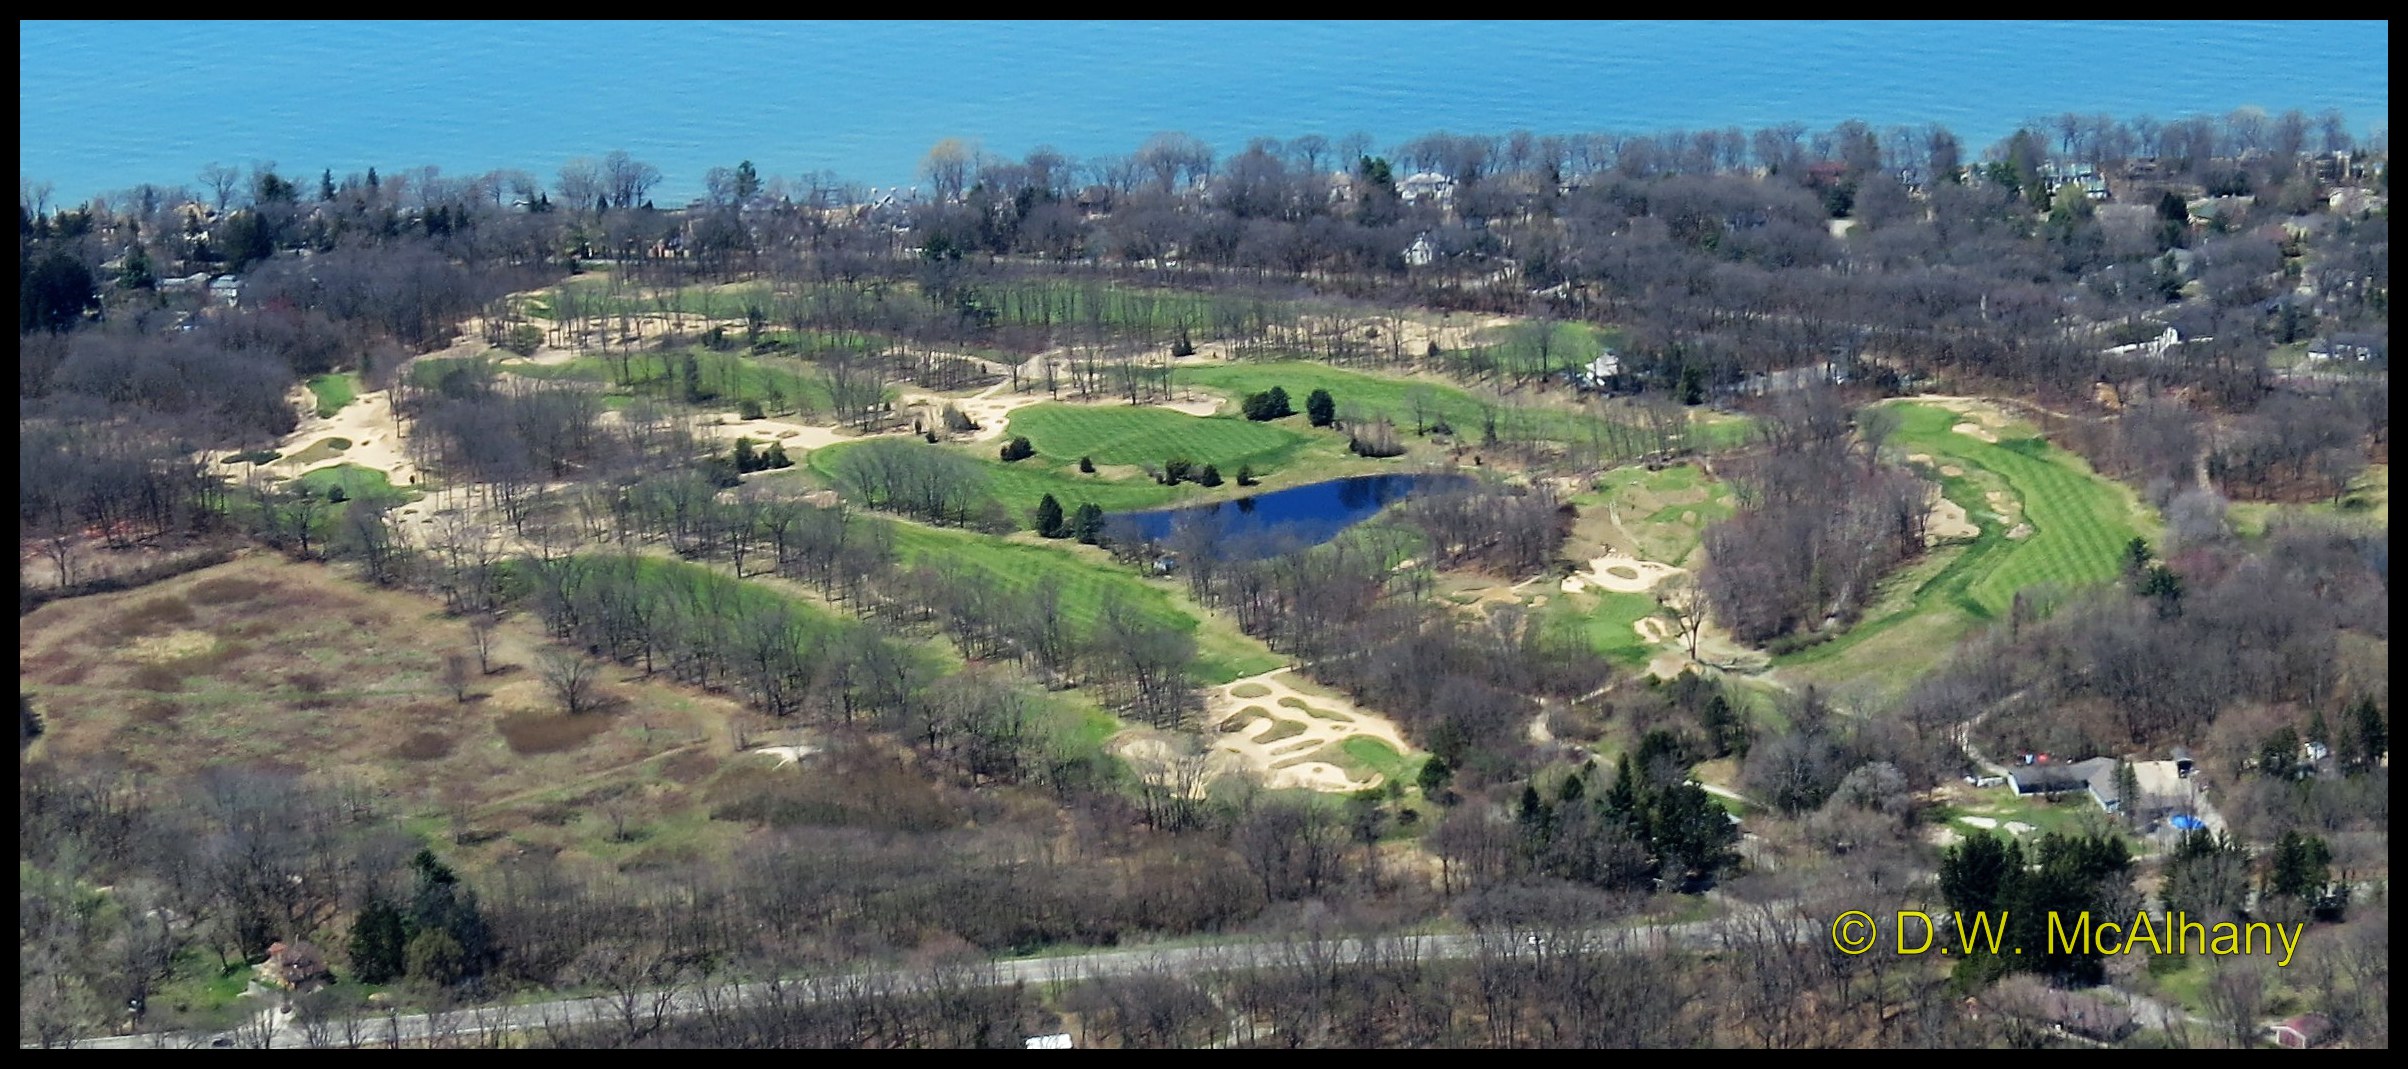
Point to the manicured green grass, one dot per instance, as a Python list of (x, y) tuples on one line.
[(2080, 523), (358, 483), (1358, 754), (1605, 619), (1406, 401), (1148, 436), (334, 391), (1223, 653), (1019, 486)]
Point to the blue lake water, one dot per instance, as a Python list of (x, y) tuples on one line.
[(1281, 520), (106, 106)]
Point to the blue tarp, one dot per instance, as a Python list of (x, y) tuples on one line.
[(2187, 822)]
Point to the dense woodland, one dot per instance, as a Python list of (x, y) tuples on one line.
[(942, 828)]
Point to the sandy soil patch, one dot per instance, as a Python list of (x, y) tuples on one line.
[(1652, 628), (1975, 430), (2020, 828), (1918, 458), (786, 755), (1274, 762), (1984, 823), (1625, 574), (1573, 585), (2020, 531), (1951, 470), (367, 421), (1947, 521), (764, 431)]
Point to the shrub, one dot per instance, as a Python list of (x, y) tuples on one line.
[(1175, 470), (1321, 408), (1210, 477), (1086, 465), (1268, 405), (523, 339), (748, 409), (1049, 518), (1245, 475), (1016, 449)]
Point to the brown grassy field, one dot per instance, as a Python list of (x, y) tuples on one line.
[(267, 662)]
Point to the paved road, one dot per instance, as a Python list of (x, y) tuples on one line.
[(678, 1002)]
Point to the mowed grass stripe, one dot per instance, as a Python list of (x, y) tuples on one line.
[(1137, 435)]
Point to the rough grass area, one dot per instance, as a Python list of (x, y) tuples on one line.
[(268, 663), (1086, 581), (1249, 690), (781, 385), (1281, 730), (322, 449), (2367, 500), (1148, 436), (334, 391)]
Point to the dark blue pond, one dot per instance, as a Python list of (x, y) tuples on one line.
[(1279, 521)]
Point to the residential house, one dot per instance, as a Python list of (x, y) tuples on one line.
[(2347, 347), (2069, 1012), (1422, 252), (2154, 348), (225, 290), (2352, 202), (1427, 186), (1056, 1041), (2043, 776), (2304, 1031)]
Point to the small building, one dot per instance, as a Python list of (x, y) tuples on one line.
[(2358, 347), (2069, 1012), (2304, 1031), (295, 966), (1422, 252), (2041, 776), (225, 290), (1429, 186)]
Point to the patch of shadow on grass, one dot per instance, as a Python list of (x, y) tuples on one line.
[(424, 746), (541, 733)]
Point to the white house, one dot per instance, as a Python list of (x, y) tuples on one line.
[(1427, 186), (1422, 252)]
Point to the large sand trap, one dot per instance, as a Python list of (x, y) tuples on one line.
[(1948, 521), (765, 431), (1624, 574), (1975, 430), (1242, 750), (367, 421)]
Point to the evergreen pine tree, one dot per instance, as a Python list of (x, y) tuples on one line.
[(1049, 517)]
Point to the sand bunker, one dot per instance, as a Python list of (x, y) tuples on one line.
[(765, 431), (1573, 585), (1951, 470), (1948, 521), (1625, 574), (2020, 531), (1652, 628), (1975, 430), (1984, 823), (1276, 762), (1918, 458), (2020, 828)]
